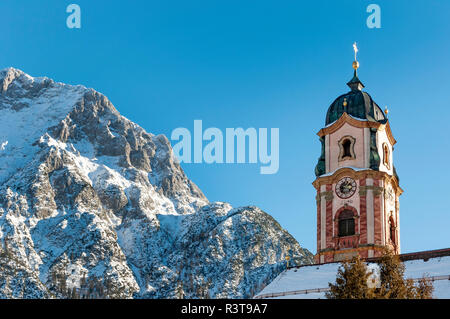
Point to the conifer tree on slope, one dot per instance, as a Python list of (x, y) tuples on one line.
[(351, 281)]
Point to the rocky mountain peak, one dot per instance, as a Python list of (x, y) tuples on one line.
[(93, 205)]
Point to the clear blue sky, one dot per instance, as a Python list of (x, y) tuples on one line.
[(164, 64)]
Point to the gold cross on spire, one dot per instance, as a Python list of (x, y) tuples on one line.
[(355, 48), (355, 63)]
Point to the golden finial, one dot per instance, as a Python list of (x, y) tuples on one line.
[(355, 63), (386, 111), (287, 261)]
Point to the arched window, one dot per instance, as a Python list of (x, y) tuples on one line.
[(346, 223), (346, 148), (386, 155)]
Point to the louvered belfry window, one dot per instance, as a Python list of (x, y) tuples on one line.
[(346, 223)]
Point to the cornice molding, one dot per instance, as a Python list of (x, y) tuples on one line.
[(366, 173), (345, 118), (334, 251)]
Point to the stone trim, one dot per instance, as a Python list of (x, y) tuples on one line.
[(345, 118), (328, 196), (363, 174), (360, 248), (377, 190)]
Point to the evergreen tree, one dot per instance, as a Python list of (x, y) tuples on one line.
[(179, 290), (351, 281), (393, 284), (424, 289)]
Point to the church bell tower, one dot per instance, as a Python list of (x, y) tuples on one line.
[(357, 185)]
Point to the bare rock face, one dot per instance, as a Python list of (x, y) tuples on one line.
[(91, 205)]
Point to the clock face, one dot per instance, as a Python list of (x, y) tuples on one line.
[(346, 187)]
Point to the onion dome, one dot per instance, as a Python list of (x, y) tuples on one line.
[(356, 103)]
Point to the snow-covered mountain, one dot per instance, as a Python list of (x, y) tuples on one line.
[(92, 205)]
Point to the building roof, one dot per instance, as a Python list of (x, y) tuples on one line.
[(311, 281), (356, 103)]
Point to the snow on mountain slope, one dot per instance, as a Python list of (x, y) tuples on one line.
[(17, 281), (92, 205), (29, 106)]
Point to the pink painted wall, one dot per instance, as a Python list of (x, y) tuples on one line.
[(333, 151)]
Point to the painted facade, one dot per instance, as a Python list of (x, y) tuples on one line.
[(357, 186)]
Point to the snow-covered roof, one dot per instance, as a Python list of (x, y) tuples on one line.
[(311, 282)]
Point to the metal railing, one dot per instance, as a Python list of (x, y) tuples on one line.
[(319, 290)]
